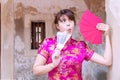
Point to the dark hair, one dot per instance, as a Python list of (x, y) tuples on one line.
[(66, 12)]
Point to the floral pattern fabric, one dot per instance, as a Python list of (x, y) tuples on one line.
[(72, 56)]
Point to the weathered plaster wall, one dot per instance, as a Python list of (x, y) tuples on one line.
[(7, 40), (98, 7)]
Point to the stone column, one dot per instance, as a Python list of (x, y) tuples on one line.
[(113, 19), (7, 39)]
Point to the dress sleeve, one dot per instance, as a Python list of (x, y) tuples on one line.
[(88, 52), (43, 50)]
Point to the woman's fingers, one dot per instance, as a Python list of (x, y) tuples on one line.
[(56, 54), (102, 26), (56, 58)]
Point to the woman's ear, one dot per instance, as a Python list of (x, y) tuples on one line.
[(57, 26)]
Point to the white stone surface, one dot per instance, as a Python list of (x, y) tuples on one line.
[(113, 19), (114, 6)]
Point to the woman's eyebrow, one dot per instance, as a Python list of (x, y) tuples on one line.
[(62, 19)]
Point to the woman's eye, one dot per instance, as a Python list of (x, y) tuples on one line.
[(61, 20)]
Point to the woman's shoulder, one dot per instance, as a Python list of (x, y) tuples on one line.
[(81, 43), (50, 39)]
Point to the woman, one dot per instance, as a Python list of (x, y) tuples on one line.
[(65, 62)]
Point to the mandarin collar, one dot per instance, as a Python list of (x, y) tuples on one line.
[(68, 42)]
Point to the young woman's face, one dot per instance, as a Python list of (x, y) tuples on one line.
[(65, 24)]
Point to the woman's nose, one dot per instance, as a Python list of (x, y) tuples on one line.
[(68, 25)]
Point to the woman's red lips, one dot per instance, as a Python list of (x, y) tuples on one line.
[(69, 30)]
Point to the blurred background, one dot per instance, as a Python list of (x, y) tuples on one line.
[(26, 23)]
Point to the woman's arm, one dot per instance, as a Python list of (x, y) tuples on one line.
[(40, 67), (106, 59)]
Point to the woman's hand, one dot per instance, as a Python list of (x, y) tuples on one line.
[(103, 27), (56, 57)]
